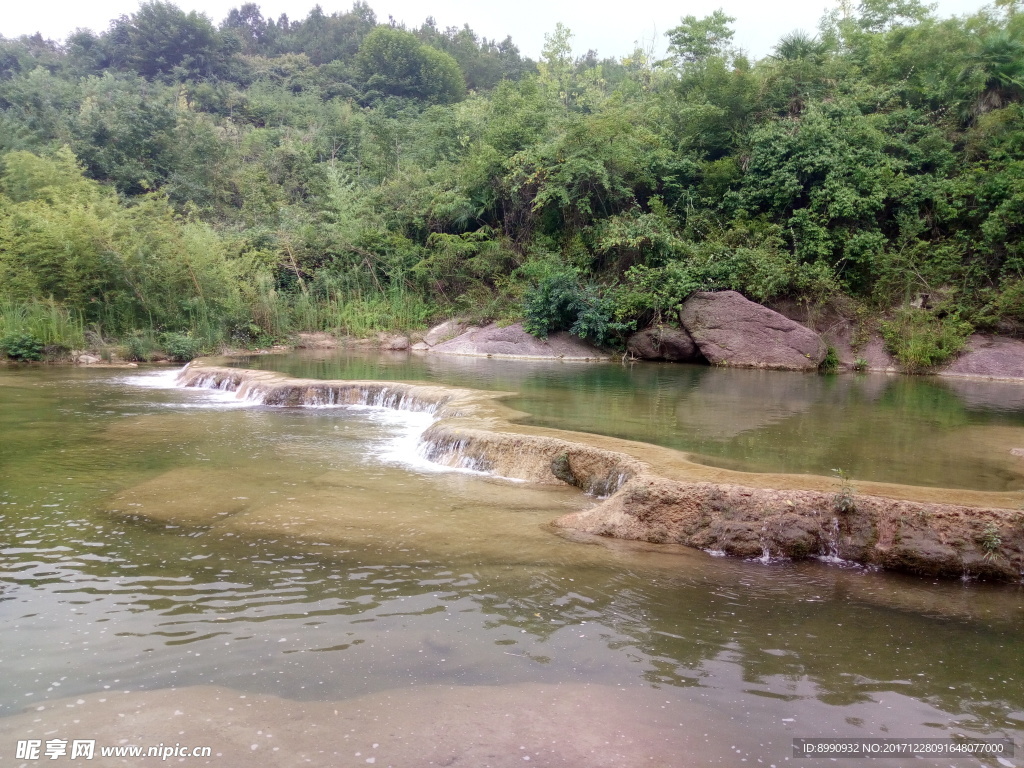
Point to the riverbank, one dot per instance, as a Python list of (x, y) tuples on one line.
[(657, 494), (983, 357)]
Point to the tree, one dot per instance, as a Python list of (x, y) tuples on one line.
[(87, 53), (883, 15), (393, 62), (124, 131), (996, 66), (328, 38), (556, 62), (161, 40), (800, 61), (696, 40), (248, 25)]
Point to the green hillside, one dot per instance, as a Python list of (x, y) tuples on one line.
[(175, 181)]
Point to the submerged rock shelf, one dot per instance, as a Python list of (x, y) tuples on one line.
[(654, 494)]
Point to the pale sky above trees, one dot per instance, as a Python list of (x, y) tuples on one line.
[(611, 29)]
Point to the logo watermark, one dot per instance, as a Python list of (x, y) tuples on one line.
[(86, 749)]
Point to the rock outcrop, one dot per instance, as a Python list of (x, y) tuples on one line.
[(923, 537), (855, 338), (393, 342), (316, 340), (447, 330), (927, 539), (732, 330), (512, 341), (989, 357), (662, 342)]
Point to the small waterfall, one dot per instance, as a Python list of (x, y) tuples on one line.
[(614, 483), (603, 487), (313, 395), (831, 553), (409, 447), (767, 558), (512, 456), (453, 453)]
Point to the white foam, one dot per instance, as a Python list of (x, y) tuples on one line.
[(404, 428), (404, 446), (165, 378)]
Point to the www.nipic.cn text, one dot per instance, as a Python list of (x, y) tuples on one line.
[(86, 749)]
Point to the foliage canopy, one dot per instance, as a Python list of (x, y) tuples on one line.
[(237, 181)]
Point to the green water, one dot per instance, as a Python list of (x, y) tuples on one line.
[(899, 429), (153, 539)]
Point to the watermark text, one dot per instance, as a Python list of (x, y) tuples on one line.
[(86, 749)]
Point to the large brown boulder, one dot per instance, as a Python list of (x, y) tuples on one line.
[(393, 342), (731, 330), (661, 342)]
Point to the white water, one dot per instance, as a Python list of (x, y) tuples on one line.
[(831, 557), (204, 398), (402, 427)]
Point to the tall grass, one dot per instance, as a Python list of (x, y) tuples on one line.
[(48, 321), (272, 315), (356, 314), (365, 315)]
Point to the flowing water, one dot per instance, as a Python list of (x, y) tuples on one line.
[(948, 433), (296, 587)]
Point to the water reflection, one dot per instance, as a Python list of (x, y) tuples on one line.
[(910, 430)]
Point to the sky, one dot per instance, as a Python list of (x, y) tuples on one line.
[(613, 29)]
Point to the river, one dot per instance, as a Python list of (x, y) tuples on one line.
[(297, 587)]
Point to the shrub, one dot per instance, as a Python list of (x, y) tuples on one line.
[(919, 340), (552, 305), (21, 346), (990, 540), (845, 500), (47, 321), (831, 362), (560, 303), (180, 347), (250, 335), (54, 353), (138, 348)]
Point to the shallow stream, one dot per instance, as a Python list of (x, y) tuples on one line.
[(948, 433), (244, 573)]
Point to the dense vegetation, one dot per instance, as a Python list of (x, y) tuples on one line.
[(174, 182)]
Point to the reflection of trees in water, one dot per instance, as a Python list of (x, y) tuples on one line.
[(784, 635)]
